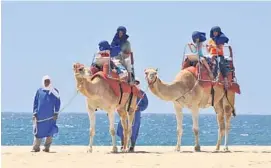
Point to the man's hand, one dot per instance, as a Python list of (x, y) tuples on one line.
[(55, 116), (34, 118)]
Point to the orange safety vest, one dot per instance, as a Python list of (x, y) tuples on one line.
[(212, 48)]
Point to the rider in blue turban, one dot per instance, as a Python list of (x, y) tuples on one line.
[(219, 39), (198, 39), (121, 51)]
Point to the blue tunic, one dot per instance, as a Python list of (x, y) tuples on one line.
[(136, 125), (45, 106)]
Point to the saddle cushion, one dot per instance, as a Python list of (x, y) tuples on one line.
[(206, 82), (115, 85)]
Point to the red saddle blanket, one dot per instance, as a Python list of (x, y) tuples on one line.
[(117, 85), (206, 82)]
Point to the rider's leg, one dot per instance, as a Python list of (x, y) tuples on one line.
[(223, 70), (207, 67), (128, 65), (121, 70)]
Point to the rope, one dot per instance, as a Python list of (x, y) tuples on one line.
[(35, 121), (177, 100), (145, 90)]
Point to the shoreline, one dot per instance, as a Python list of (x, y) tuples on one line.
[(171, 113), (143, 157)]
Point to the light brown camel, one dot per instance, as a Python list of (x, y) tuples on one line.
[(100, 95), (185, 91)]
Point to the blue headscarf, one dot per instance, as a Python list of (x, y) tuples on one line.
[(220, 38), (198, 35), (119, 41), (114, 51), (104, 45)]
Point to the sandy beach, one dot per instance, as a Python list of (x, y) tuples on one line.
[(144, 157)]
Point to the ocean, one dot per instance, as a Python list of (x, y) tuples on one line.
[(156, 129)]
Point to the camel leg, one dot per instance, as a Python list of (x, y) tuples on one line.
[(123, 119), (227, 130), (111, 118), (221, 123), (130, 124), (228, 112), (92, 119), (179, 118), (195, 119)]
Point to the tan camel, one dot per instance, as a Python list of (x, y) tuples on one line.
[(185, 91), (100, 95)]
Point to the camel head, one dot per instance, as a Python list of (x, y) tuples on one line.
[(80, 71), (151, 75)]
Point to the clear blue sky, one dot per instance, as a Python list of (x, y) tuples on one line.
[(40, 38)]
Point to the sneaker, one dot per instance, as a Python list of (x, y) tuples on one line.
[(35, 150), (131, 149), (46, 150)]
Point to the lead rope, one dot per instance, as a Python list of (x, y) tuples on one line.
[(35, 121)]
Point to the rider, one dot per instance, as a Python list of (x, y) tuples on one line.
[(105, 50), (215, 48), (121, 43), (198, 39)]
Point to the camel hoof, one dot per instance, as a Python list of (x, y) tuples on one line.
[(177, 149), (226, 149), (217, 148), (89, 150), (115, 149), (125, 150), (197, 148)]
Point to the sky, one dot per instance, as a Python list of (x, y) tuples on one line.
[(46, 38)]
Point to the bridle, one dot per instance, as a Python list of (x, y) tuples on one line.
[(150, 84)]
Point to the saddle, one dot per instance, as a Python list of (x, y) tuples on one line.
[(201, 72)]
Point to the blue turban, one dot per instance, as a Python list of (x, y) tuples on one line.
[(121, 28), (119, 41), (221, 38), (215, 29), (198, 35), (104, 45)]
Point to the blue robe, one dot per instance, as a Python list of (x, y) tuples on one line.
[(136, 125), (44, 108)]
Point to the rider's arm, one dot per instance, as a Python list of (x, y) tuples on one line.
[(126, 47), (194, 49), (210, 45)]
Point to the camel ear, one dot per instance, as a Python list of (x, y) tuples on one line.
[(156, 69), (145, 71)]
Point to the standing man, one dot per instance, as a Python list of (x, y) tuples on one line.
[(142, 105), (45, 112)]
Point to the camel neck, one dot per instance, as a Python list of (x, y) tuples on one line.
[(168, 92), (85, 87)]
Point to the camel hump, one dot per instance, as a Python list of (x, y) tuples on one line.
[(118, 86)]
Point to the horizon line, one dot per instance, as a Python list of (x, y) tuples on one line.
[(99, 112)]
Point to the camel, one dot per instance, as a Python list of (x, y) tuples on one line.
[(185, 91), (100, 95)]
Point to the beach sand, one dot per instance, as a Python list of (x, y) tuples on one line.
[(144, 157)]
